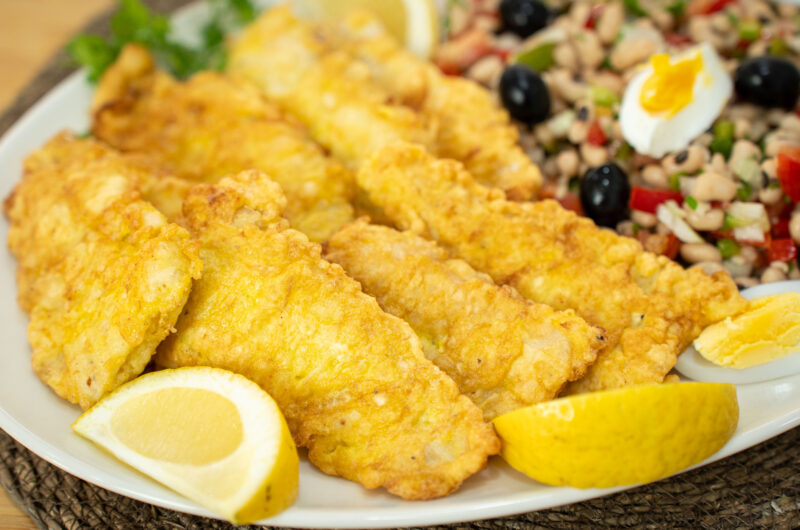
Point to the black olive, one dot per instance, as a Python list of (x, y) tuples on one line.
[(604, 194), (769, 82), (524, 94), (523, 17)]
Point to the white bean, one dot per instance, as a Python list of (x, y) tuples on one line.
[(486, 70), (643, 219), (610, 22), (655, 176), (699, 252), (594, 155), (794, 227), (770, 195), (745, 282), (773, 274), (710, 220), (567, 162), (711, 186), (688, 160)]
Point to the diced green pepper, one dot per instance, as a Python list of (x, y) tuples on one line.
[(749, 30), (778, 46), (603, 96), (539, 58), (723, 138), (728, 248), (691, 201), (634, 8)]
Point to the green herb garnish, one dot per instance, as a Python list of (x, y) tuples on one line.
[(723, 138), (778, 46), (677, 9), (539, 58), (134, 22), (691, 201), (749, 30), (728, 248), (675, 181), (603, 96), (634, 8)]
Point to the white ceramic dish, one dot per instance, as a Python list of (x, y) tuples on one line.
[(692, 365), (38, 419)]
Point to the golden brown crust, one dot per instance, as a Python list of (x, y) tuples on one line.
[(648, 305), (209, 126), (351, 380), (101, 272), (502, 351)]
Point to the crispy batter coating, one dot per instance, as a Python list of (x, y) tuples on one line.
[(210, 126), (503, 352), (649, 306), (330, 91), (102, 273), (472, 127), (351, 380)]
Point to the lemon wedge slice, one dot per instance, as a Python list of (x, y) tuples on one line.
[(619, 437), (209, 434), (415, 23)]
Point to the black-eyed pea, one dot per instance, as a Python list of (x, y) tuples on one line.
[(589, 49), (770, 195), (593, 155), (705, 219), (578, 13), (655, 176), (744, 111), (718, 164), (643, 219), (741, 129), (543, 134), (632, 51), (790, 122), (563, 84), (775, 116), (749, 254), (758, 48), (625, 228), (607, 79), (709, 267), (568, 162), (794, 227), (704, 139), (662, 19), (565, 55), (688, 161), (745, 282), (550, 167), (486, 70), (743, 150), (787, 10), (776, 272), (610, 22), (711, 186), (769, 167), (578, 132), (700, 252)]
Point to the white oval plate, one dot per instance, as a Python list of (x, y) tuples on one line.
[(31, 413), (695, 366)]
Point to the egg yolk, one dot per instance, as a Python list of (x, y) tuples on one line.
[(670, 87)]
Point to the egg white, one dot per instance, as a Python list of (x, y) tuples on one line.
[(658, 134)]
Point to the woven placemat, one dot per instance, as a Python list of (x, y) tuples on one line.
[(757, 488)]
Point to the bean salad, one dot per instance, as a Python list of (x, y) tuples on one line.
[(675, 122)]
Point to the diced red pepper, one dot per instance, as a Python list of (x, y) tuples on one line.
[(678, 39), (782, 249), (647, 200), (706, 7), (789, 171), (780, 229), (594, 14), (596, 135), (572, 202)]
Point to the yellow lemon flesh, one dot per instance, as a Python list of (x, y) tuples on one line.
[(414, 23), (619, 437), (211, 435), (768, 330)]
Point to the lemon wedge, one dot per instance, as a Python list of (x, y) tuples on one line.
[(619, 437), (209, 434), (768, 330), (415, 23)]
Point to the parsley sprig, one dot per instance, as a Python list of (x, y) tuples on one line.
[(134, 22)]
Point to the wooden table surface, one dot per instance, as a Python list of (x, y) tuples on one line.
[(31, 31)]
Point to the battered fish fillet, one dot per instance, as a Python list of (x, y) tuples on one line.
[(330, 91), (472, 128), (352, 381), (502, 351), (649, 306), (210, 126), (102, 273)]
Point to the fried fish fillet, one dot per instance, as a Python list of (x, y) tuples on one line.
[(352, 381), (330, 91), (472, 128), (102, 273), (503, 352), (649, 307), (210, 126)]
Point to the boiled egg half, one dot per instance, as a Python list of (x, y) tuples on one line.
[(674, 99)]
